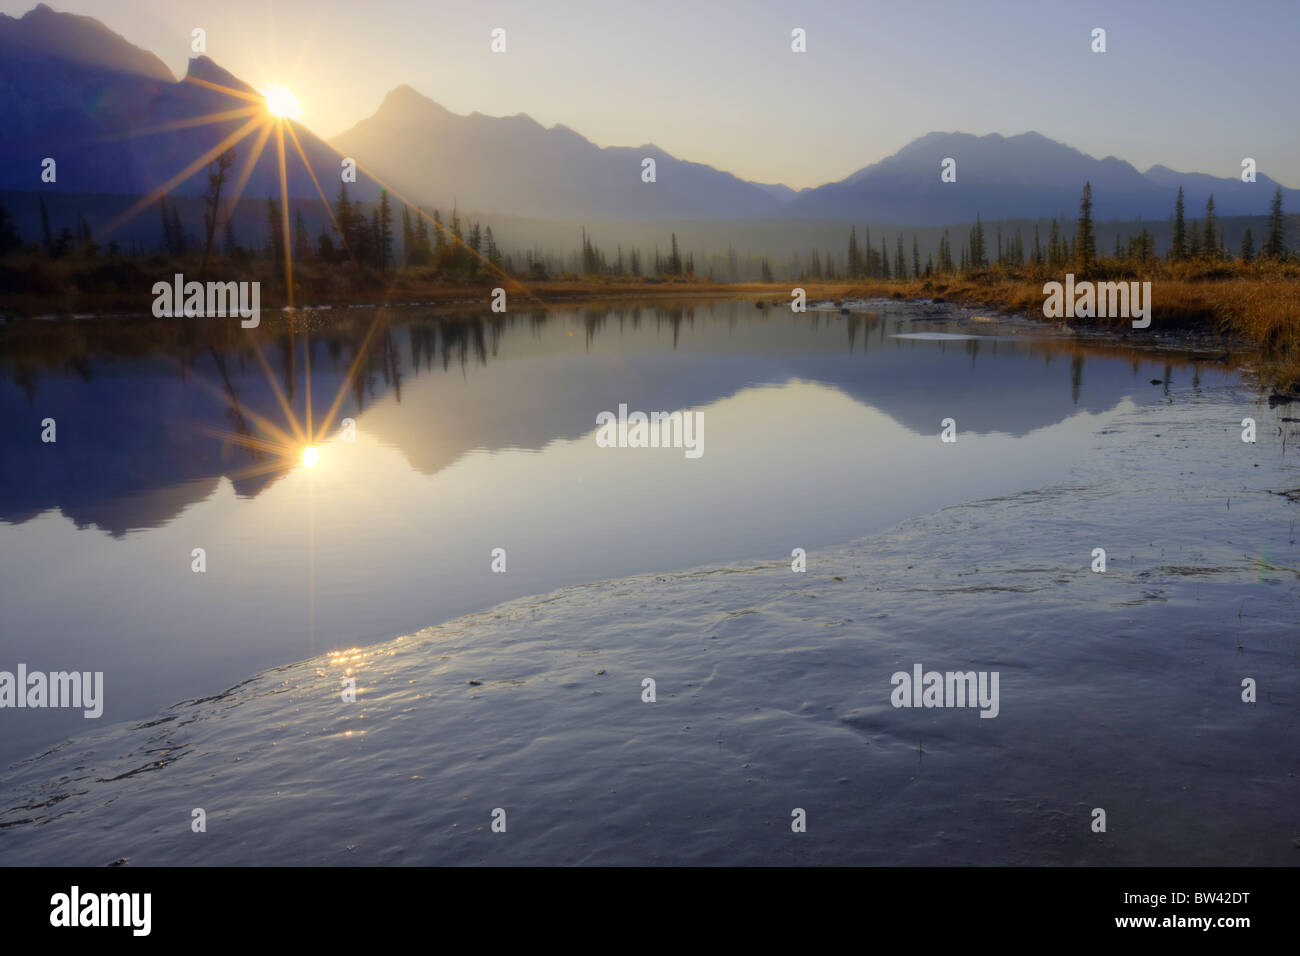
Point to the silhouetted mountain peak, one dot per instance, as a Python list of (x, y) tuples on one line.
[(515, 165), (206, 69), (406, 106), (80, 39), (405, 95)]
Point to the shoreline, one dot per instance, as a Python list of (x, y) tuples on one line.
[(1201, 326)]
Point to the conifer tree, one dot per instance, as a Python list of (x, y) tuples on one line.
[(1178, 251), (343, 216), (212, 200), (1210, 243), (1085, 242), (1275, 242), (439, 237), (977, 244), (276, 237), (422, 250), (301, 240), (408, 236)]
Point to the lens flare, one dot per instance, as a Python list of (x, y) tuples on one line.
[(310, 456), (281, 103)]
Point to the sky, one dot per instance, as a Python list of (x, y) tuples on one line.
[(1193, 84)]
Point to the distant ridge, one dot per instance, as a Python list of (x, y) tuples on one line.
[(72, 89), (1023, 176), (513, 164)]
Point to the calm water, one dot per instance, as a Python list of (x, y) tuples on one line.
[(474, 433)]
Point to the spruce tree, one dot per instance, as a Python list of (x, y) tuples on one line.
[(422, 250), (977, 244), (1178, 251), (439, 237), (1210, 243), (301, 241), (276, 236), (1275, 244), (1085, 241), (343, 216), (408, 236), (325, 247)]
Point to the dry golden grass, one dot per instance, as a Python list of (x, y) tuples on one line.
[(1259, 303)]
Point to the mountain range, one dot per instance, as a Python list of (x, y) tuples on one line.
[(117, 122)]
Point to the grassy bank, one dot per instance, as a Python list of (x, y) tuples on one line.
[(1258, 303)]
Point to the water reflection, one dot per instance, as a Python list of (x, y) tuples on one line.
[(149, 413), (474, 433)]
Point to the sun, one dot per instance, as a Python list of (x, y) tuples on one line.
[(310, 456), (281, 102)]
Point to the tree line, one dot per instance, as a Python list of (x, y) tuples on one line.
[(466, 250)]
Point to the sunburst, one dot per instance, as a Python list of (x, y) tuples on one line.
[(274, 109), (282, 103)]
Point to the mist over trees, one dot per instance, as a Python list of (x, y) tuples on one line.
[(383, 238)]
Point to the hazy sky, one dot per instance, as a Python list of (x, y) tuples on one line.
[(1193, 84)]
